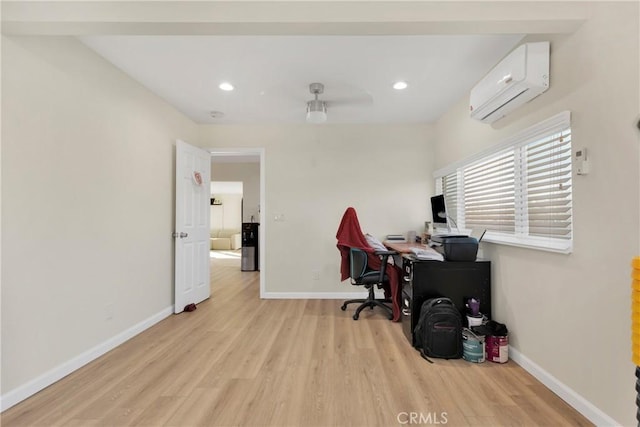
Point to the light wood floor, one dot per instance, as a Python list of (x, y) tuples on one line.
[(241, 361)]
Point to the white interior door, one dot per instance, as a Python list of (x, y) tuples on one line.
[(193, 177)]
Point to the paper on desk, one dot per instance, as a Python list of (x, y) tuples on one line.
[(427, 254)]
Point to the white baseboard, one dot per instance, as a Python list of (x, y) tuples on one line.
[(319, 295), (579, 403), (24, 391)]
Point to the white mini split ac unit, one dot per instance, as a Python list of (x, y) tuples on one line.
[(518, 78)]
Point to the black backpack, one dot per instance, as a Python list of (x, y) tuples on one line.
[(438, 332)]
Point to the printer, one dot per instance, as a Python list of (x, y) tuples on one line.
[(457, 247)]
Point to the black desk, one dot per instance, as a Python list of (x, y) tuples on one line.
[(458, 281)]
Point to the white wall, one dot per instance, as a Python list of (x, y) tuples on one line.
[(313, 173), (249, 175), (228, 215), (87, 202), (570, 314)]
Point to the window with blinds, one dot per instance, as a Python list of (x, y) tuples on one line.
[(519, 191), (489, 193), (450, 192), (548, 186)]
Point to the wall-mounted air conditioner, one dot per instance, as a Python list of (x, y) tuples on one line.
[(518, 78)]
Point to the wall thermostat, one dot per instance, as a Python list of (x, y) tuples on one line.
[(582, 162)]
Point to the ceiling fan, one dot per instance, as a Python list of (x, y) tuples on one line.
[(317, 108)]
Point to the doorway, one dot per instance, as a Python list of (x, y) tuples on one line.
[(226, 221), (246, 165)]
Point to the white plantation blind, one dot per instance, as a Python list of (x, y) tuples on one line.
[(548, 186), (450, 191), (519, 191), (489, 194)]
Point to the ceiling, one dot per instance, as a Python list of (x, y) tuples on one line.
[(271, 74)]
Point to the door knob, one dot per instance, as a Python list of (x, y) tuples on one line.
[(181, 235)]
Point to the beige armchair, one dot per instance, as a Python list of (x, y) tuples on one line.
[(226, 240)]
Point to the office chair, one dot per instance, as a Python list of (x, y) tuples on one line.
[(362, 275)]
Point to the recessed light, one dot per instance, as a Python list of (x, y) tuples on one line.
[(226, 86), (400, 85)]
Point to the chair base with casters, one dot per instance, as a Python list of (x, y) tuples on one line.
[(371, 302), (361, 275)]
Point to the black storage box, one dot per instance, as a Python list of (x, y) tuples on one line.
[(460, 248)]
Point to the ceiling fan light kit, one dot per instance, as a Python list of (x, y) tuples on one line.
[(316, 112), (316, 109)]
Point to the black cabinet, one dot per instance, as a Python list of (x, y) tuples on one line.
[(458, 281)]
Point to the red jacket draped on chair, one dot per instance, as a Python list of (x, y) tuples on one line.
[(350, 235)]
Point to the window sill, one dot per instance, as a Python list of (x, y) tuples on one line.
[(537, 243)]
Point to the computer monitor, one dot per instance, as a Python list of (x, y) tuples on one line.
[(438, 211)]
